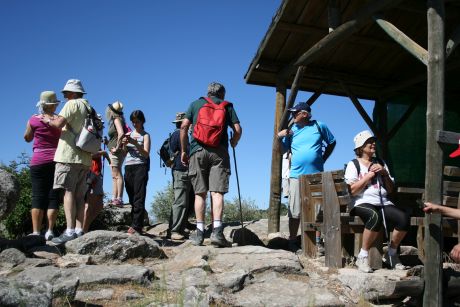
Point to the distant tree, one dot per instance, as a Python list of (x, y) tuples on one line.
[(162, 203)]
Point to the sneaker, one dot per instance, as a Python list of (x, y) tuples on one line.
[(117, 203), (49, 235), (80, 234), (63, 238), (363, 264), (394, 262), (34, 234), (199, 238), (177, 236), (218, 238)]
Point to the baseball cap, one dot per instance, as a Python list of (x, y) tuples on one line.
[(302, 106)]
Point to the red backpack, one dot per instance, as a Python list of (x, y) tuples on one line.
[(210, 123)]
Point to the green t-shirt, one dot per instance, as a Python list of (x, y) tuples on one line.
[(192, 114), (74, 111)]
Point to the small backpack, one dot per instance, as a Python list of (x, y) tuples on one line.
[(210, 123), (90, 137), (166, 155)]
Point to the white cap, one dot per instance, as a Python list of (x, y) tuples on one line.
[(362, 137), (73, 85)]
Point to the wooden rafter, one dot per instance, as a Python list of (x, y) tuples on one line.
[(360, 109), (340, 34), (403, 40), (333, 15)]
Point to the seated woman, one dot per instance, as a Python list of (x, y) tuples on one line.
[(369, 184)]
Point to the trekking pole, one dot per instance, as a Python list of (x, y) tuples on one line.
[(387, 235), (239, 194)]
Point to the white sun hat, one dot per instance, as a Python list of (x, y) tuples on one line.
[(74, 86), (362, 137)]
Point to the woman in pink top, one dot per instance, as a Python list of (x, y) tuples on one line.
[(46, 139)]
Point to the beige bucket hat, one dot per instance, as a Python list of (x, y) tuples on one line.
[(47, 98)]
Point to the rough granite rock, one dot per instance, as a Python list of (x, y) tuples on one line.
[(106, 246), (9, 193), (14, 293), (11, 257), (87, 295)]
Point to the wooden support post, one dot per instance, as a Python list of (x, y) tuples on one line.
[(332, 225), (337, 36), (292, 96), (403, 40), (333, 15), (381, 108), (275, 178), (432, 295)]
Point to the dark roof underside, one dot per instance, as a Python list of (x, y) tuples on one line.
[(369, 61)]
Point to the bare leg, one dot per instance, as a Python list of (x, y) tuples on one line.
[(92, 209), (80, 209), (117, 182), (293, 228), (200, 206), (52, 215), (37, 218), (70, 209), (218, 205), (396, 238), (368, 238)]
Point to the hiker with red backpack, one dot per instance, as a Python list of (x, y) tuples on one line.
[(305, 140), (209, 161)]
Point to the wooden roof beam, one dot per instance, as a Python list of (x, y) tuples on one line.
[(333, 15), (292, 96), (360, 109), (340, 34), (355, 39), (403, 40)]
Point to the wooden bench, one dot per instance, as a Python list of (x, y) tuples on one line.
[(329, 190)]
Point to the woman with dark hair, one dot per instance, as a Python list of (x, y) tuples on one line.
[(137, 165), (42, 166), (370, 182), (117, 129)]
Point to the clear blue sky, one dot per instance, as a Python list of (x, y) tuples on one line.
[(156, 56)]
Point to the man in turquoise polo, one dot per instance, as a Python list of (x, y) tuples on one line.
[(305, 140)]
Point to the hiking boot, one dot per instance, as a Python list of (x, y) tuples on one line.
[(63, 238), (395, 263), (218, 238), (198, 238), (363, 264), (177, 236)]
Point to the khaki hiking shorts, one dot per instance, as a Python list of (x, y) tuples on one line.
[(71, 177), (294, 198), (209, 170)]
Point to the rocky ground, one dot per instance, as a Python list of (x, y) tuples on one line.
[(110, 268)]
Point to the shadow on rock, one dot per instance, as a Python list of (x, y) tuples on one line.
[(244, 236)]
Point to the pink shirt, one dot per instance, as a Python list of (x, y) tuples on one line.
[(46, 139)]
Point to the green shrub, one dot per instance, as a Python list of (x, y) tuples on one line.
[(162, 204), (248, 206), (19, 222)]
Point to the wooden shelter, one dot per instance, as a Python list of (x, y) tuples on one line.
[(378, 50)]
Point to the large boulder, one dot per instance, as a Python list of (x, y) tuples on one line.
[(25, 293), (108, 246), (9, 193)]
